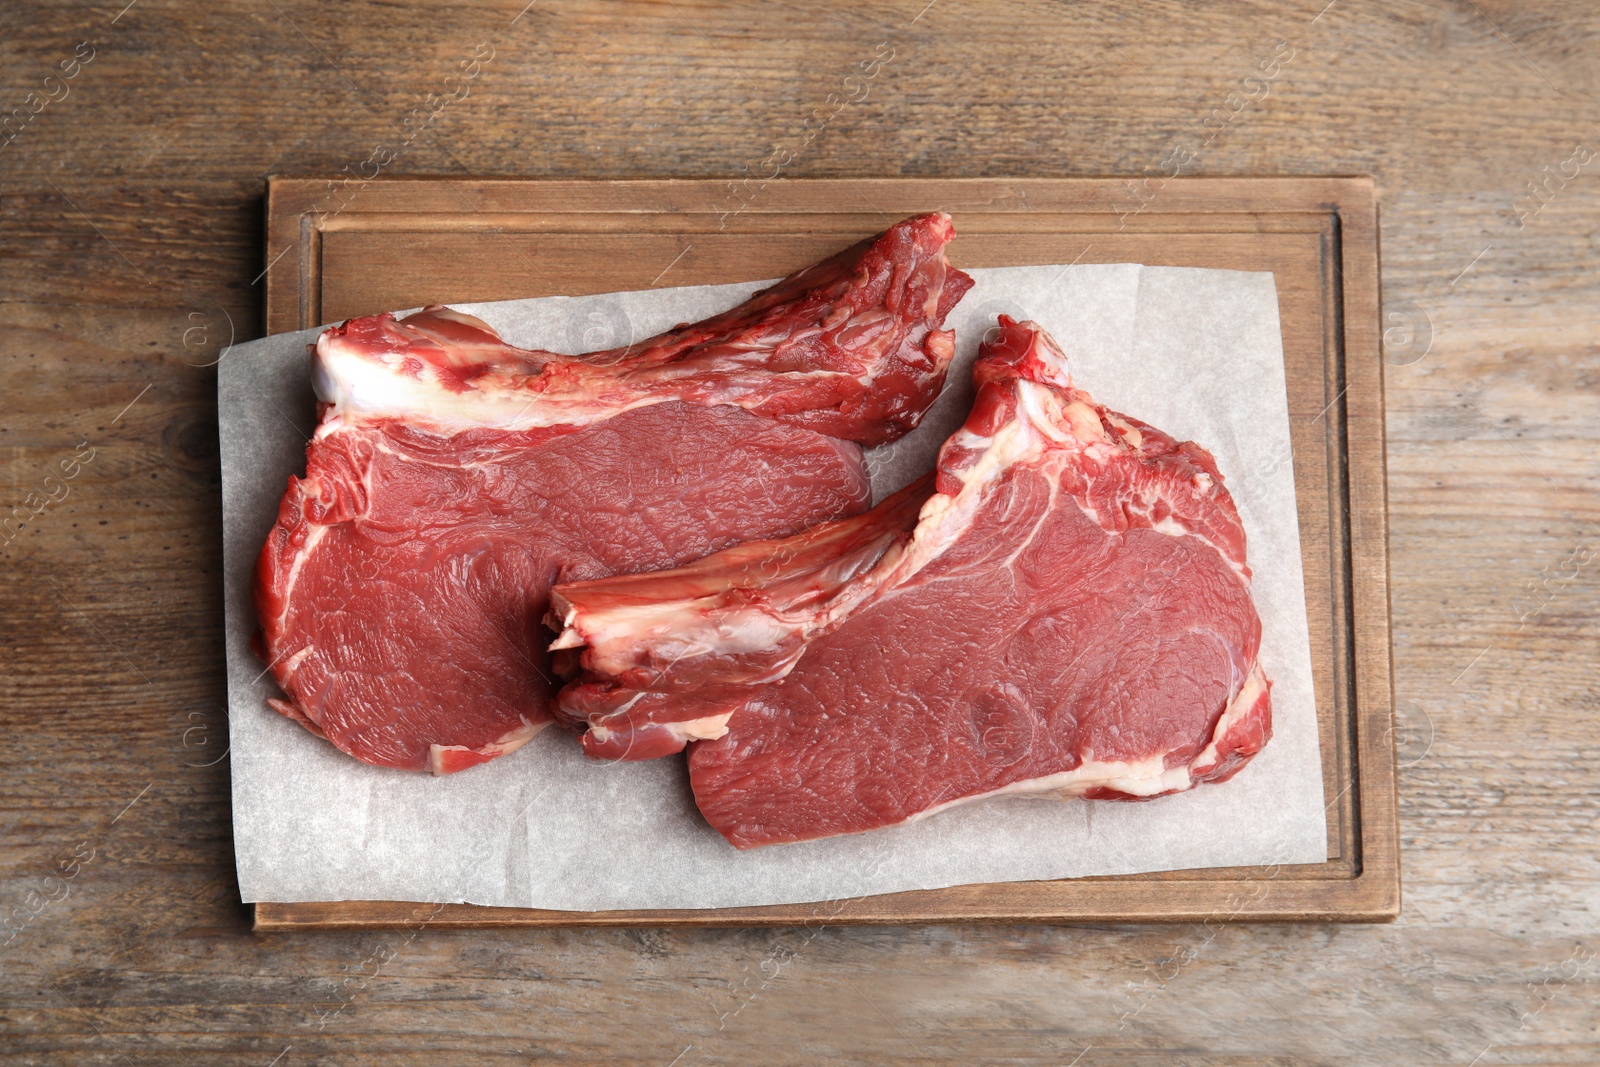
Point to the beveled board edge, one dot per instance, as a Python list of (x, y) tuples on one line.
[(1228, 900), (1363, 887), (1368, 545), (300, 208)]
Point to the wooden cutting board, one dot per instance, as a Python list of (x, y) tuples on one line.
[(338, 249)]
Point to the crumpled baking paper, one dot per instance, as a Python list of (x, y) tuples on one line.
[(1195, 352)]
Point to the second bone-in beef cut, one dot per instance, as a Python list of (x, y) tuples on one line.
[(1068, 612), (454, 478)]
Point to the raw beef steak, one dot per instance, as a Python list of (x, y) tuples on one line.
[(1068, 613), (454, 478)]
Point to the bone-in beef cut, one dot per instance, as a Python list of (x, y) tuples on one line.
[(1068, 612), (453, 479)]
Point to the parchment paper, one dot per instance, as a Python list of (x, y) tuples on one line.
[(1195, 352)]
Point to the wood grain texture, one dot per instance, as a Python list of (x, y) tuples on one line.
[(132, 230), (1317, 235)]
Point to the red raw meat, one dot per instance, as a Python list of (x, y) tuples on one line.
[(1068, 613), (454, 478)]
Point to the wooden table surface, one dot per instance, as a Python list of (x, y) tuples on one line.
[(133, 147)]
